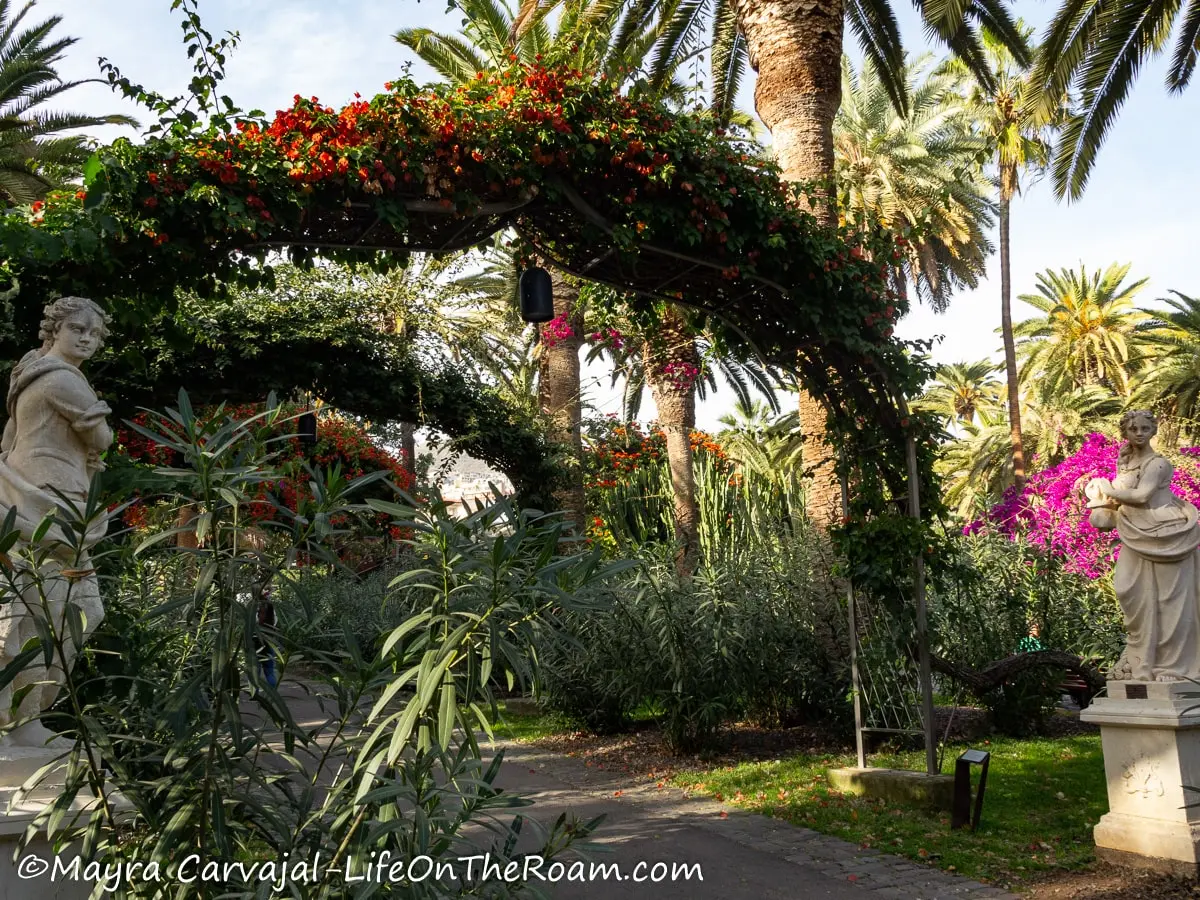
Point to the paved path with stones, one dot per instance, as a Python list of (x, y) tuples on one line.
[(741, 854)]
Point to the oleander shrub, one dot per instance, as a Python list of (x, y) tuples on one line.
[(764, 640), (186, 747), (319, 607)]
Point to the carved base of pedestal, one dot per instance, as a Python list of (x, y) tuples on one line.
[(19, 764), (1151, 737), (1149, 844), (32, 876)]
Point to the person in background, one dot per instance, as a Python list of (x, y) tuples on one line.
[(266, 625)]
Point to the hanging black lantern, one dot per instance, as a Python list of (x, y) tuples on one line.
[(308, 427), (537, 295)]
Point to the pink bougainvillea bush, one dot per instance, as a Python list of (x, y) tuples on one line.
[(1050, 511)]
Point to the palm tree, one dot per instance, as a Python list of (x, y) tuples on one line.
[(585, 31), (597, 36), (679, 362), (600, 36), (1087, 333), (1094, 50), (918, 170), (1058, 421), (1018, 140), (744, 376), (535, 368), (35, 155), (963, 393), (1172, 339), (796, 50), (768, 446), (974, 469), (672, 367), (751, 418)]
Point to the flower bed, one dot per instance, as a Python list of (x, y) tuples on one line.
[(341, 442)]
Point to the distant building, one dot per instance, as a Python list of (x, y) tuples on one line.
[(463, 493)]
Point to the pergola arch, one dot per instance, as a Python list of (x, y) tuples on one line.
[(615, 190)]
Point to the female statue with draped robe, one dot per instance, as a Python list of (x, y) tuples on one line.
[(1157, 576), (52, 444)]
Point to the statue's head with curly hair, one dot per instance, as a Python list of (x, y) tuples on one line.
[(1135, 443), (63, 309), (1133, 415)]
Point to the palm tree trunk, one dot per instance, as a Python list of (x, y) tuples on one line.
[(1008, 181), (795, 46), (672, 365), (408, 444), (186, 537), (560, 394), (823, 499)]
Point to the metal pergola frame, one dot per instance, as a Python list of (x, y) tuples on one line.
[(924, 668)]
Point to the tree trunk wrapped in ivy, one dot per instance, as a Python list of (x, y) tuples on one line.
[(823, 496)]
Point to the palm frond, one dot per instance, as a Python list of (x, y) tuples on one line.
[(1187, 46), (874, 24), (729, 61), (1122, 46), (677, 40), (451, 57), (529, 12)]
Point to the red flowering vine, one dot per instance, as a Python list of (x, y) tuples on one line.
[(340, 442)]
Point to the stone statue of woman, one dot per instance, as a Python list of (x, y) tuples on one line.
[(52, 444), (1157, 576)]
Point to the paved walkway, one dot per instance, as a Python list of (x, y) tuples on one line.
[(741, 854)]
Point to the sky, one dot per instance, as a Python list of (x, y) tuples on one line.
[(1139, 207)]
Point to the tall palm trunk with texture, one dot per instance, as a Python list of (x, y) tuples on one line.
[(823, 499), (672, 366), (795, 46), (1008, 183), (560, 391), (408, 444)]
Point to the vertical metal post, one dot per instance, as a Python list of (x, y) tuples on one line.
[(855, 682), (914, 509)]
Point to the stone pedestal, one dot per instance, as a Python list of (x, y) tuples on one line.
[(1151, 737), (17, 812)]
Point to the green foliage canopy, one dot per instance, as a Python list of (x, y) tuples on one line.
[(324, 332), (619, 189)]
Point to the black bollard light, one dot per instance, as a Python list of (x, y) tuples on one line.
[(960, 815), (537, 295)]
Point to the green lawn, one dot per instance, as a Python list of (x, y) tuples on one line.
[(1043, 797), (526, 725)]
